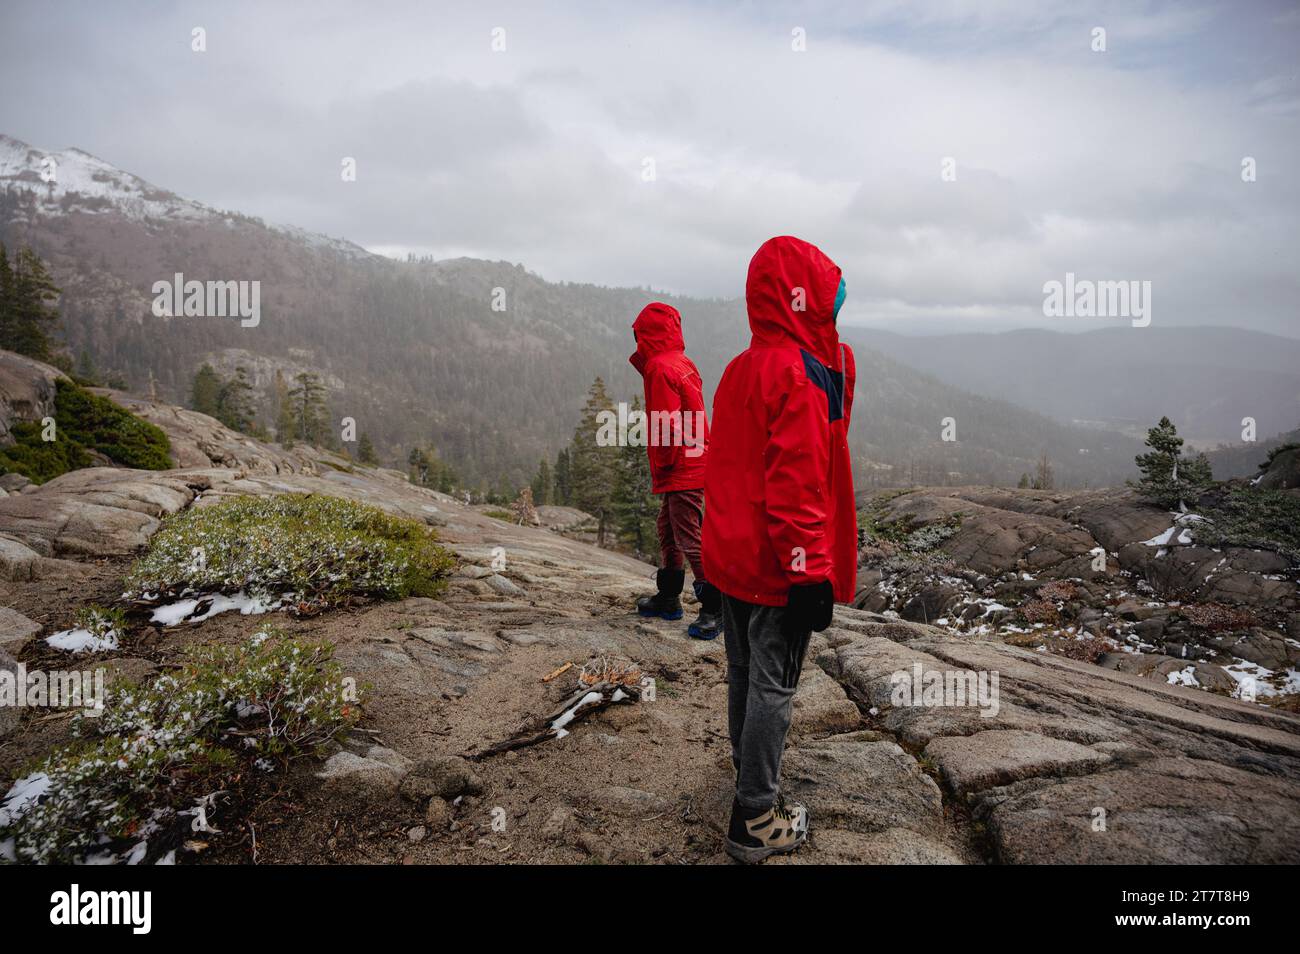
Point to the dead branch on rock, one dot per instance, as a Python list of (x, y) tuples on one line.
[(587, 699), (557, 672)]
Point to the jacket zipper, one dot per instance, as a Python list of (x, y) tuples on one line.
[(844, 379)]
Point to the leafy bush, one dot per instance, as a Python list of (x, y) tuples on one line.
[(84, 422), (879, 527), (1039, 610), (99, 424), (1087, 649), (1250, 517), (1218, 618), (39, 460), (929, 537), (157, 749), (1062, 590), (320, 549), (99, 620)]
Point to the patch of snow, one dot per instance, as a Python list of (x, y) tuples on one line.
[(137, 853), (25, 793), (182, 611), (83, 641), (1267, 682), (568, 714), (1184, 677)]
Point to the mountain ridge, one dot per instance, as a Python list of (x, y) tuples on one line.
[(423, 356)]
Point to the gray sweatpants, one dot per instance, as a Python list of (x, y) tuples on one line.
[(763, 668)]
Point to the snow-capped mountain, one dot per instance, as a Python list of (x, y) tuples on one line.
[(67, 180), (73, 180)]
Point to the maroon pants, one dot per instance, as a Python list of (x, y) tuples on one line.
[(681, 515)]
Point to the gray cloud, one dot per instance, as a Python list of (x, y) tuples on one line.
[(1124, 164)]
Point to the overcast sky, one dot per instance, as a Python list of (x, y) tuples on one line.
[(1123, 164)]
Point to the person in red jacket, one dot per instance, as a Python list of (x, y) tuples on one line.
[(677, 443), (780, 522)]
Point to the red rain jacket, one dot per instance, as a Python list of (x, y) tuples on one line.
[(779, 509), (678, 430)]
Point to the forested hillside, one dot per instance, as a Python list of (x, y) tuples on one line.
[(484, 362)]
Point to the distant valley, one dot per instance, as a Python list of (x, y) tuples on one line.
[(416, 353)]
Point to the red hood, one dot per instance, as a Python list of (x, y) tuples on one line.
[(780, 266), (658, 329)]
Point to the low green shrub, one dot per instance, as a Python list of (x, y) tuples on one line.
[(1244, 516), (84, 422), (156, 750), (322, 550)]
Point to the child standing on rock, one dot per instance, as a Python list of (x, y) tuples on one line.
[(780, 523), (678, 434)]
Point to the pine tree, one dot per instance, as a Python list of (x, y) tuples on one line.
[(27, 312), (418, 467), (87, 373), (1168, 478), (592, 466), (542, 487), (1024, 482), (7, 291), (205, 391), (235, 402), (1045, 478), (563, 492), (366, 451), (310, 413), (284, 420), (634, 505)]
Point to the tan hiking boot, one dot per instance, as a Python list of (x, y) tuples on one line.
[(753, 836)]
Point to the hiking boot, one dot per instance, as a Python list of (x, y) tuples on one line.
[(709, 623), (755, 834), (667, 603)]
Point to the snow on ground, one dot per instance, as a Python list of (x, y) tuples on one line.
[(567, 715), (199, 608), (1263, 682), (83, 641), (25, 793)]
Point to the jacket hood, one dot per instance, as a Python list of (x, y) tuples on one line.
[(658, 329), (784, 274)]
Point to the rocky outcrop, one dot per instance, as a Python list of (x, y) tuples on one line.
[(1068, 739), (27, 389), (1283, 471), (1089, 574), (201, 441)]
